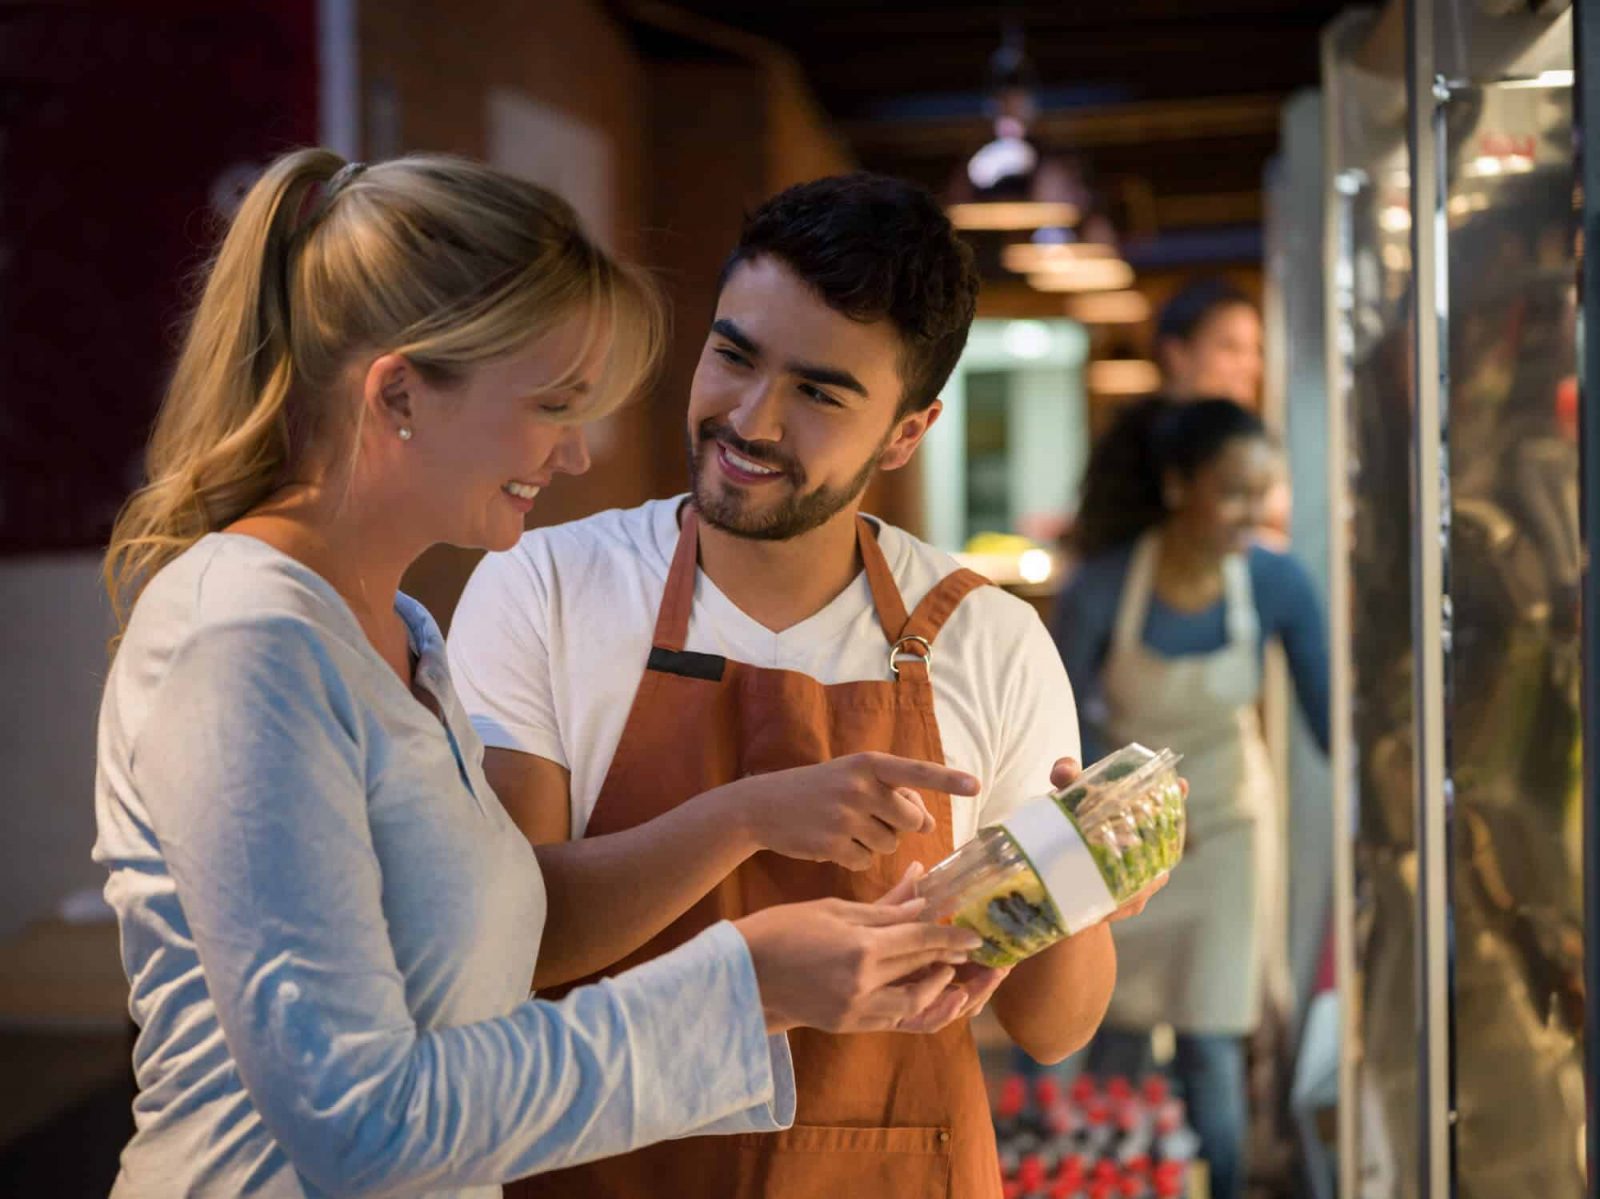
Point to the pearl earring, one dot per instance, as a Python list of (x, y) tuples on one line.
[(405, 433)]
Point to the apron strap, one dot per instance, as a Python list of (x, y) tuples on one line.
[(913, 649), (886, 598), (1242, 620), (1134, 606), (910, 637), (939, 603), (677, 601)]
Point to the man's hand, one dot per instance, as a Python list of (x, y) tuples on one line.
[(1136, 905), (1063, 774), (848, 810)]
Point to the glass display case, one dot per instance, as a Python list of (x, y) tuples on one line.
[(1456, 591)]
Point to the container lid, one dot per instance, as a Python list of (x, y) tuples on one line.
[(1129, 769)]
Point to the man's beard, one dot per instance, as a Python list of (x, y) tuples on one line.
[(730, 510)]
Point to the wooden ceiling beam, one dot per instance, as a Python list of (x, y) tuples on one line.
[(1144, 123)]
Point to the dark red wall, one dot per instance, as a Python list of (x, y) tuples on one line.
[(118, 123)]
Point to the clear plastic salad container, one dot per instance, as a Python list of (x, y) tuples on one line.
[(1065, 860)]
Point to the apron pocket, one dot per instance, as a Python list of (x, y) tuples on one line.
[(814, 1161)]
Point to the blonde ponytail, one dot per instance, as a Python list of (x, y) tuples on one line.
[(220, 441), (446, 261)]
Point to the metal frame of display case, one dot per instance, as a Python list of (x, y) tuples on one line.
[(1586, 105), (1341, 737), (1430, 615)]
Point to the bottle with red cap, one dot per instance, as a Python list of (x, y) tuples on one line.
[(1119, 1089), (1170, 1178), (1063, 1128), (1031, 1173), (1105, 1170), (1085, 1088), (1010, 1161), (1139, 1165), (1009, 1111), (1155, 1090), (1136, 1139), (1133, 1187), (1073, 1165), (1099, 1135), (1175, 1140), (1102, 1189), (1047, 1093)]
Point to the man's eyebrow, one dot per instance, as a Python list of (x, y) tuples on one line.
[(828, 376), (736, 335)]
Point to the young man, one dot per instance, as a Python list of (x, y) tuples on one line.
[(621, 666)]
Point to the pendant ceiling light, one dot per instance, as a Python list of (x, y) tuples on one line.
[(1009, 185)]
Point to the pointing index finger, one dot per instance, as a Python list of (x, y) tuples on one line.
[(926, 776)]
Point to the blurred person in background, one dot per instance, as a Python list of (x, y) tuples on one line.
[(1208, 345), (328, 920), (1162, 629)]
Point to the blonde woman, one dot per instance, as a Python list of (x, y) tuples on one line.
[(328, 921)]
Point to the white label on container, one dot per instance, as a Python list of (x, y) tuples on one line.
[(1063, 862)]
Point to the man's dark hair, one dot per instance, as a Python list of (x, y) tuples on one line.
[(875, 248), (1180, 317)]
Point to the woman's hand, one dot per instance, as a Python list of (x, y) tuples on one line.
[(970, 986), (850, 967), (847, 811)]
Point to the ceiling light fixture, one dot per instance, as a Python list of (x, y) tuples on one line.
[(1109, 308), (1123, 377), (1085, 274), (1009, 185), (1032, 257)]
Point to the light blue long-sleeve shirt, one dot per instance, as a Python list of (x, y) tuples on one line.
[(329, 924)]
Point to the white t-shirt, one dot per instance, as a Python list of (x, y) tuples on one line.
[(550, 639)]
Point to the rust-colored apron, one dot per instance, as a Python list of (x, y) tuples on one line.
[(879, 1115)]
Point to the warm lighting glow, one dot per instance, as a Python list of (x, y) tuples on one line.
[(1123, 377), (1489, 166), (1026, 339), (1542, 79), (1011, 215), (1109, 308), (1395, 218), (1467, 203), (1088, 274), (1004, 158), (1034, 566), (1026, 258)]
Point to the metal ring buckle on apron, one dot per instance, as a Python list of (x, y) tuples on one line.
[(926, 656)]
